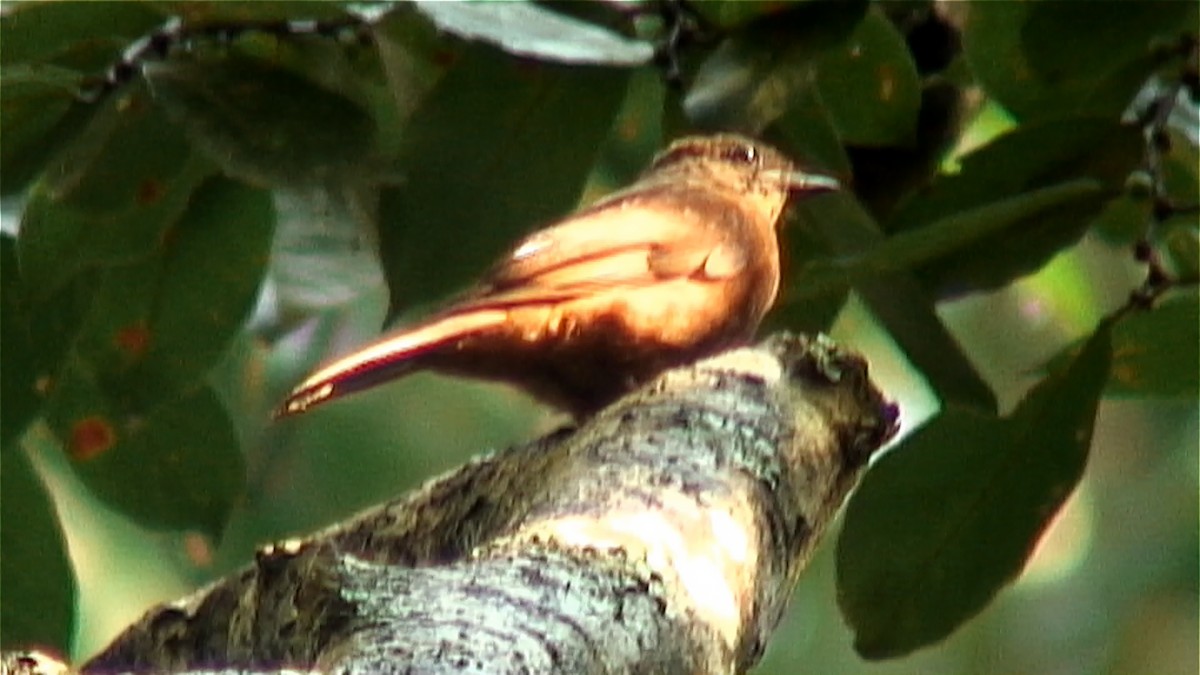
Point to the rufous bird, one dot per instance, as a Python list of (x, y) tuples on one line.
[(679, 265)]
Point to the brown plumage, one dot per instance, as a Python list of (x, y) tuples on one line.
[(682, 263)]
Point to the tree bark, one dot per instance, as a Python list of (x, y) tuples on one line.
[(663, 535)]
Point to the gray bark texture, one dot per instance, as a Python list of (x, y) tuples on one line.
[(663, 535)]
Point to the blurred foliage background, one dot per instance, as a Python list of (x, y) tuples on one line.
[(201, 201)]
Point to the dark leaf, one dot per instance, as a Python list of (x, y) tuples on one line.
[(37, 608), (211, 271), (499, 147), (749, 80), (807, 133), (732, 15), (251, 12), (39, 108), (1037, 186), (1042, 60), (950, 235), (18, 377), (897, 301), (84, 36), (951, 515), (870, 85), (265, 124)]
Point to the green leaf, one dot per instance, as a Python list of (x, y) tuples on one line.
[(252, 12), (86, 36), (109, 196), (1154, 351), (1041, 60), (18, 377), (179, 466), (1181, 244), (1019, 200), (264, 124), (951, 515), (748, 81), (951, 234), (214, 263), (157, 326), (525, 29), (38, 111), (121, 160), (870, 85), (895, 298), (732, 15), (498, 147), (806, 133), (37, 608), (1123, 220)]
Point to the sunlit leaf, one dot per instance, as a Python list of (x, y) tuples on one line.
[(525, 29)]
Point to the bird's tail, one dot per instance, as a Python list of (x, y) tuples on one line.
[(393, 355)]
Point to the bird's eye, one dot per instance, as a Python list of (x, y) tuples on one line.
[(740, 154)]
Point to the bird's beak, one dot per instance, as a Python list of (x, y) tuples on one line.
[(803, 182), (812, 183)]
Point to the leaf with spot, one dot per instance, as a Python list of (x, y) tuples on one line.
[(157, 325), (110, 196), (870, 85), (178, 466), (1154, 351)]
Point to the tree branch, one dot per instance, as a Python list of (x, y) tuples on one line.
[(663, 535)]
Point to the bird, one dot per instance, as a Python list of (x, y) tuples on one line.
[(681, 264)]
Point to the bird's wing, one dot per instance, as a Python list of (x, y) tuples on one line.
[(625, 244)]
